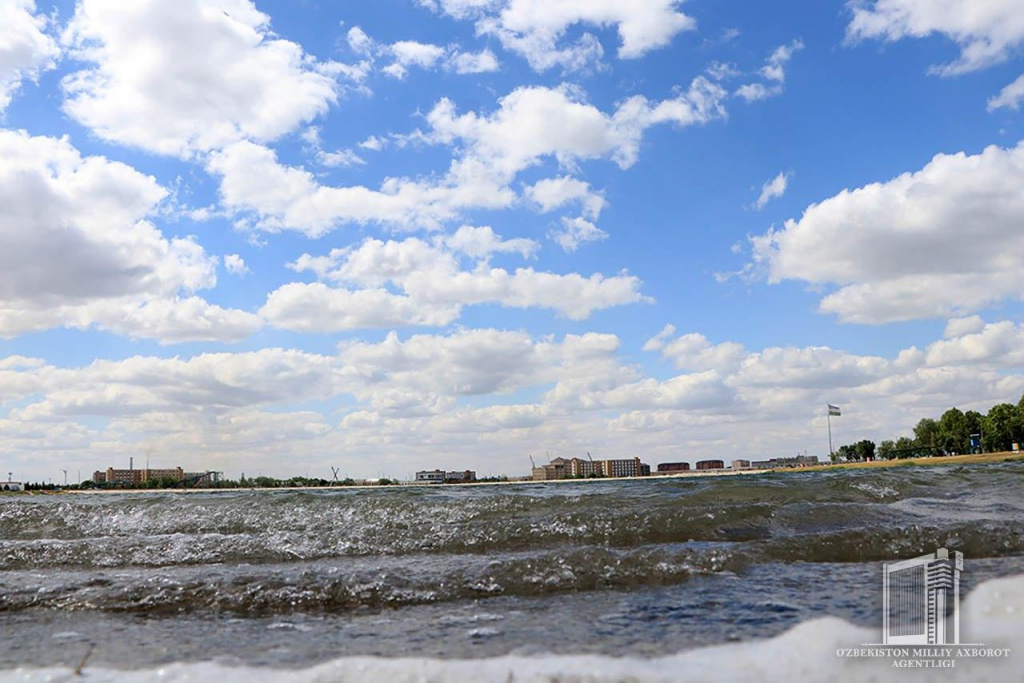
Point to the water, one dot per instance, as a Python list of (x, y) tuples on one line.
[(636, 569)]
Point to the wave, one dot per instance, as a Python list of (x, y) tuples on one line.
[(807, 652)]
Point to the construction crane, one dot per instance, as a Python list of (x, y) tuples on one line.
[(532, 463), (589, 456)]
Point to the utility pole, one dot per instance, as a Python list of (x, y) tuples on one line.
[(65, 478)]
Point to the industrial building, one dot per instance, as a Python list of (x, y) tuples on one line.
[(710, 465), (12, 486), (560, 468), (673, 466), (741, 464)]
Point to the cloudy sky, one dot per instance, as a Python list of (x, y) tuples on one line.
[(407, 234)]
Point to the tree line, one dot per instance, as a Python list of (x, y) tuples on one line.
[(950, 434)]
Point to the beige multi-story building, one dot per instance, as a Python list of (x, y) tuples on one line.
[(556, 469), (560, 468)]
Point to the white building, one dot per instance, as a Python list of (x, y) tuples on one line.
[(12, 486)]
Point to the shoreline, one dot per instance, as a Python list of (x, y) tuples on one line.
[(977, 459)]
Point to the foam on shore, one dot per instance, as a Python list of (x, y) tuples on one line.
[(992, 614)]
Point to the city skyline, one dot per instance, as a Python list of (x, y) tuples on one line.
[(375, 236)]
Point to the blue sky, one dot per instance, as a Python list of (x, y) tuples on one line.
[(402, 234)]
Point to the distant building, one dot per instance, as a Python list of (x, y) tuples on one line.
[(430, 477), (556, 469), (775, 463), (673, 466), (460, 477), (740, 464), (625, 468), (12, 486), (134, 477), (710, 465), (560, 468), (203, 478), (578, 467)]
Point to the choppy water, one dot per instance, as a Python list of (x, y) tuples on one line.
[(623, 567)]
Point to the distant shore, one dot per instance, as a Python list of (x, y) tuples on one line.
[(978, 459)]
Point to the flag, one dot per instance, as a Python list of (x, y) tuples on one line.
[(833, 410)]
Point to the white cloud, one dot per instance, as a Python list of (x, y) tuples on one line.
[(773, 189), (1009, 97), (987, 31), (434, 285), (773, 74), (998, 345), (535, 29), (374, 143), (695, 353), (473, 62), (576, 231), (464, 394), (411, 53), (315, 307), (937, 242), (552, 193), (180, 77), (530, 125), (958, 327), (534, 122), (26, 49), (283, 197), (235, 264), (480, 243), (79, 250), (405, 54)]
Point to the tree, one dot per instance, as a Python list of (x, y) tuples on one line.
[(1003, 427), (865, 450), (954, 434), (887, 449), (926, 433)]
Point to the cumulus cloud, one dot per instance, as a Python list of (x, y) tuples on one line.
[(405, 54), (576, 231), (80, 250), (987, 31), (235, 264), (773, 189), (530, 125), (552, 193), (536, 30), (434, 285), (26, 48), (180, 77), (482, 395), (933, 243)]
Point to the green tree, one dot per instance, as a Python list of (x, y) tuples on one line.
[(1003, 426), (865, 450), (887, 449), (954, 434), (926, 433), (906, 447)]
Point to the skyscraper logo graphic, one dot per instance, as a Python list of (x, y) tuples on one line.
[(921, 600)]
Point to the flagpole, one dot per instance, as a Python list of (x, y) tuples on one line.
[(828, 416)]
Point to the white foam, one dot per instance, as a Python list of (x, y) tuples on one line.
[(992, 614)]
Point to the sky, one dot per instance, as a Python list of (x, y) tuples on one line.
[(280, 237)]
